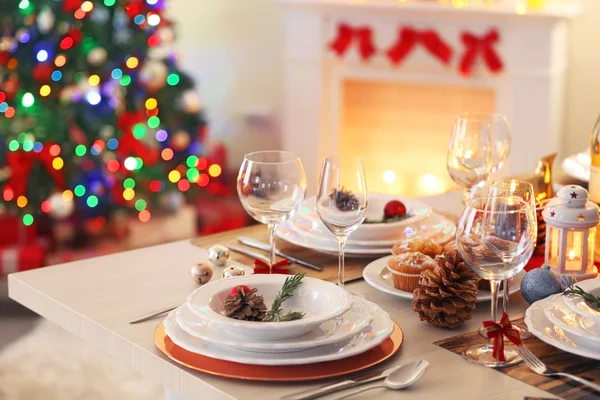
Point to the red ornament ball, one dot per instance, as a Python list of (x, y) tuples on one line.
[(42, 72), (244, 289), (394, 208), (71, 5)]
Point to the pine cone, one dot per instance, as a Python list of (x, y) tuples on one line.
[(540, 246), (446, 295), (247, 307)]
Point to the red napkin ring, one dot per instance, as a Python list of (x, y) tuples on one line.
[(261, 267), (497, 331)]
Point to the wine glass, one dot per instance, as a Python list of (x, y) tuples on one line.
[(271, 186), (470, 158), (495, 238), (524, 191), (342, 200), (499, 137)]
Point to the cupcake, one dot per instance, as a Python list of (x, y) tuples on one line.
[(406, 269), (424, 246)]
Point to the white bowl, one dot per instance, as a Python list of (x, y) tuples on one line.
[(318, 299)]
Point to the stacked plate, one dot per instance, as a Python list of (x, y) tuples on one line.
[(370, 239), (568, 322), (578, 165), (336, 325)]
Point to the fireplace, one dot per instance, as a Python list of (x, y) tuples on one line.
[(399, 117)]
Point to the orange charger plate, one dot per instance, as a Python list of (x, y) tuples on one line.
[(287, 373)]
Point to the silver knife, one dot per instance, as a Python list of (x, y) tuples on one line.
[(322, 391), (249, 253), (257, 244)]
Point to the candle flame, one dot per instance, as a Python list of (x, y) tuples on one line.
[(571, 255)]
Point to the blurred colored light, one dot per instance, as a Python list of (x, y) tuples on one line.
[(132, 62), (174, 176), (21, 201), (65, 44), (152, 2), (161, 135), (93, 97), (153, 122), (203, 180), (153, 41), (10, 112), (99, 143), (42, 55), (166, 154), (94, 80), (183, 185), (192, 174), (8, 193), (152, 113), (56, 75), (125, 80), (140, 163), (87, 6), (79, 14), (3, 106), (92, 201), (151, 103), (54, 150), (139, 131), (45, 90), (27, 219), (214, 170), (67, 195), (38, 146), (2, 96), (13, 145), (46, 206), (80, 150), (173, 79), (156, 186), (58, 163), (109, 3), (129, 183), (128, 194), (144, 216), (139, 19), (153, 19), (27, 145), (79, 76), (140, 205), (24, 4), (202, 163), (112, 143), (192, 161), (79, 190), (94, 150), (27, 100), (116, 73), (22, 137), (25, 36), (113, 165), (12, 63), (130, 163)]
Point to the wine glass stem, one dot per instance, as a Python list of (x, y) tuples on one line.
[(272, 229), (505, 294), (467, 195), (494, 286), (341, 243)]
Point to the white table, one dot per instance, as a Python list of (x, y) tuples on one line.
[(94, 299)]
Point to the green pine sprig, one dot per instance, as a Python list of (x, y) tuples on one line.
[(589, 298), (286, 292)]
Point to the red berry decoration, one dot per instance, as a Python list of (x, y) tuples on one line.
[(245, 289), (394, 208)]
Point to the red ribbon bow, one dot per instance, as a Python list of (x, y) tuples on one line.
[(261, 267), (480, 45), (497, 331), (347, 34), (21, 164), (407, 39)]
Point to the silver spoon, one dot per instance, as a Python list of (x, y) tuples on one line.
[(403, 377)]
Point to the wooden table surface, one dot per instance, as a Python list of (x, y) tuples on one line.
[(94, 299)]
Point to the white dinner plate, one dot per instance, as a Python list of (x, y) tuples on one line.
[(577, 166), (378, 276), (561, 315), (541, 327), (577, 304), (332, 331), (380, 329)]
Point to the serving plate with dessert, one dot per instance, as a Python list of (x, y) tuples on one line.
[(399, 273)]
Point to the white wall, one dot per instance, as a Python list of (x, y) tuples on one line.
[(234, 50)]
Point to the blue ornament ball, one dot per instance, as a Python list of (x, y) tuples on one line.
[(539, 283)]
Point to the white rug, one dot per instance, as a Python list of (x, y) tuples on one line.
[(51, 364)]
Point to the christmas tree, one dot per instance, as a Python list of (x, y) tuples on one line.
[(95, 116)]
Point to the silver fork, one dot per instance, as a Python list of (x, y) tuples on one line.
[(540, 368)]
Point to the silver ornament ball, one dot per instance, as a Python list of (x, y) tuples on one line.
[(231, 272), (201, 273), (218, 255)]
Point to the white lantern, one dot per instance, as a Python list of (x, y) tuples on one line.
[(571, 222)]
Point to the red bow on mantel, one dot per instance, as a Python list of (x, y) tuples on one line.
[(347, 34), (261, 267), (480, 45), (407, 39), (497, 331)]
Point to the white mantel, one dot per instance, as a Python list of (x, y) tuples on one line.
[(529, 91)]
